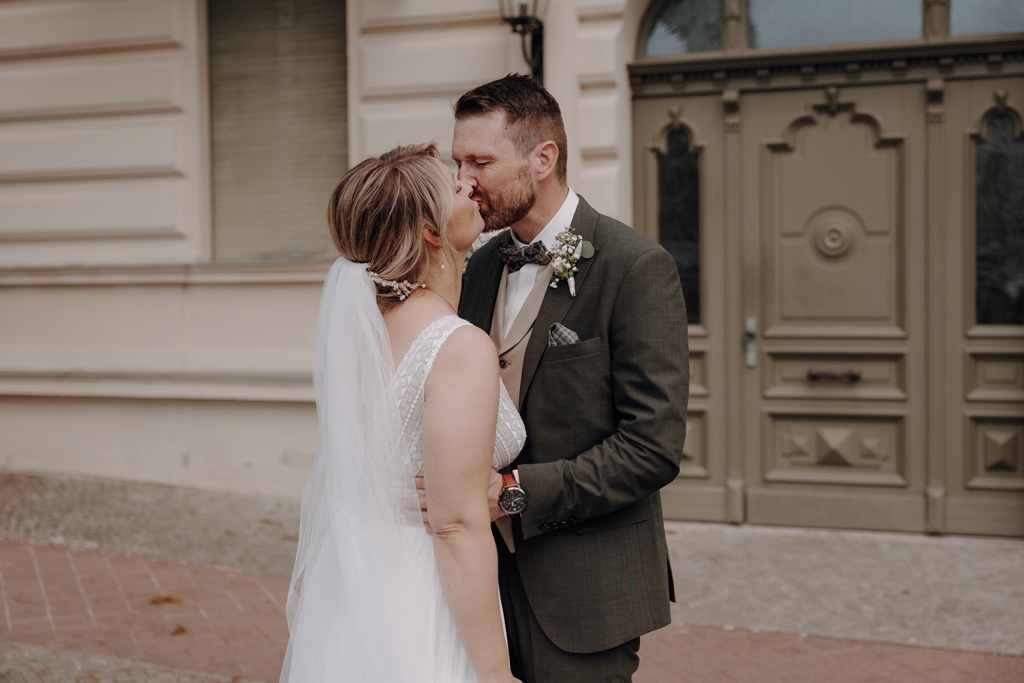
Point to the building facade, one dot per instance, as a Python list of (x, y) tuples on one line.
[(840, 185)]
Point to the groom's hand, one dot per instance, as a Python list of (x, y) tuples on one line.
[(418, 507), (493, 491)]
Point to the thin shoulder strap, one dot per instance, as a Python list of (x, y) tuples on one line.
[(411, 373), (434, 337)]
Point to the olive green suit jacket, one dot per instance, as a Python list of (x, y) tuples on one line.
[(605, 422)]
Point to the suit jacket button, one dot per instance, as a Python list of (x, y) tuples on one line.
[(503, 363)]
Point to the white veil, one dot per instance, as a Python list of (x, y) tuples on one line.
[(345, 600)]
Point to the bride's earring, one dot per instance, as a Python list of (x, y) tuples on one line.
[(442, 266)]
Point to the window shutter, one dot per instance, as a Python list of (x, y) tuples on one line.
[(278, 125)]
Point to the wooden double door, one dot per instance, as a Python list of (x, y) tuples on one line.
[(826, 238)]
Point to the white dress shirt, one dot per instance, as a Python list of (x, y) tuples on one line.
[(522, 282)]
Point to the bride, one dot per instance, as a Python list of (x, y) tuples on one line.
[(405, 388)]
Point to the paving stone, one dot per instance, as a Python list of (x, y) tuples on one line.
[(169, 614), (208, 528), (113, 581), (20, 663), (955, 593), (694, 654)]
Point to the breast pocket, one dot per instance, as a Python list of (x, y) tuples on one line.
[(554, 354), (573, 383)]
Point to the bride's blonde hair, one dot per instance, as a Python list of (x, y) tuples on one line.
[(378, 209)]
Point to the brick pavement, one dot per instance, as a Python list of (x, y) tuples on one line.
[(230, 626), (37, 664), (109, 582), (688, 654), (139, 609)]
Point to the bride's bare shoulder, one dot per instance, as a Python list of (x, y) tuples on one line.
[(472, 339), (468, 350)]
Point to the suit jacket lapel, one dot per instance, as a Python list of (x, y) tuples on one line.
[(524, 320), (498, 317), (477, 302), (558, 301)]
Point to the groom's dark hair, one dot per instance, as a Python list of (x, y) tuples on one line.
[(532, 115)]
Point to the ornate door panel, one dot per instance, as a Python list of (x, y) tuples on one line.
[(978, 485), (678, 162), (834, 255)]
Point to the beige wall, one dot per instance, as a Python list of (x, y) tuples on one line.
[(103, 156), (196, 375), (123, 351), (409, 62)]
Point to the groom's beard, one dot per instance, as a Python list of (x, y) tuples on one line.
[(507, 209)]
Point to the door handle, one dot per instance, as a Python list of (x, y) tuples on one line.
[(826, 376), (750, 342)]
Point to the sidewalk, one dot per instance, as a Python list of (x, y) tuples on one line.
[(105, 581)]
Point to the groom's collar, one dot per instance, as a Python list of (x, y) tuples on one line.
[(559, 222)]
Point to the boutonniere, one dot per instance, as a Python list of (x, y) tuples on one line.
[(569, 249)]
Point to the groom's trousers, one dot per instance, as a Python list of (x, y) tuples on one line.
[(535, 659)]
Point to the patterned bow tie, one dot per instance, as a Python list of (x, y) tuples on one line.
[(515, 258)]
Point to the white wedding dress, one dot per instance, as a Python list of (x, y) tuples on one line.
[(366, 604)]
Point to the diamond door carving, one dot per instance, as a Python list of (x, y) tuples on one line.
[(836, 450), (998, 462)]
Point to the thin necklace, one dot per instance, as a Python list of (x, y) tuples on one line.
[(430, 291)]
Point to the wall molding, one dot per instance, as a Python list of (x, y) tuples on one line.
[(760, 68), (311, 272), (250, 386), (98, 27)]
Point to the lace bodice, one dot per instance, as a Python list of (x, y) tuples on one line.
[(409, 380)]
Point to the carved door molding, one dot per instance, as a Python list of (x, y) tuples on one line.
[(833, 205), (839, 235), (661, 125), (980, 481)]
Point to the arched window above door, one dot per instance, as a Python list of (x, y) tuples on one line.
[(803, 23), (681, 26), (678, 27), (976, 17)]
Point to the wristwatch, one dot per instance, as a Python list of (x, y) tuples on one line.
[(512, 500)]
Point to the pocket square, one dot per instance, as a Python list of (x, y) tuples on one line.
[(560, 335)]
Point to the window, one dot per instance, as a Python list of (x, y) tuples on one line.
[(679, 214), (797, 23), (999, 225), (973, 17), (685, 26), (279, 125)]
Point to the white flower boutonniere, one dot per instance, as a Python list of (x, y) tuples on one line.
[(569, 249)]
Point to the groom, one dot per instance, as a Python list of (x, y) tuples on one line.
[(597, 365)]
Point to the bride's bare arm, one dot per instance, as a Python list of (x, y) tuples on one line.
[(460, 414)]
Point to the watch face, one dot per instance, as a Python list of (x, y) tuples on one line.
[(512, 501)]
